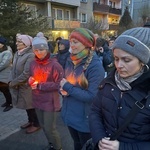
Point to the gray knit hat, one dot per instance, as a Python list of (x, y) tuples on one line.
[(40, 42), (135, 41)]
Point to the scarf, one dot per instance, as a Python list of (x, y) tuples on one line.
[(77, 58), (44, 60), (124, 84), (20, 51), (63, 51)]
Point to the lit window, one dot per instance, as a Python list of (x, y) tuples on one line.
[(129, 2)]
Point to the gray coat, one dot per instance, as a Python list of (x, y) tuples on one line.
[(20, 90), (5, 64)]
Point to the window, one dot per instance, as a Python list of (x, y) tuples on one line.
[(83, 18), (84, 1), (32, 9), (129, 2), (67, 15), (114, 4), (110, 3), (57, 13), (54, 13)]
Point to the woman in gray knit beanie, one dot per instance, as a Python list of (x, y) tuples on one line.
[(124, 88)]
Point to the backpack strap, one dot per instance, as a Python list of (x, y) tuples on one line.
[(139, 105)]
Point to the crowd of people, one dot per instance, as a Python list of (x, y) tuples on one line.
[(95, 84)]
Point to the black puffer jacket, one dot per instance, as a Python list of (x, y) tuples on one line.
[(110, 108)]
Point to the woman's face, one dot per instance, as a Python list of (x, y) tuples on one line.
[(126, 64), (40, 53), (76, 46), (20, 45), (61, 46)]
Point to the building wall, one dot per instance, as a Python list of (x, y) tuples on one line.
[(77, 8), (141, 8), (68, 2), (86, 8)]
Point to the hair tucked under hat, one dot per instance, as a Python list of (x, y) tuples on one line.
[(135, 41), (26, 39), (85, 36)]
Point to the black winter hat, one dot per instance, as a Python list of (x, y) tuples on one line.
[(3, 40), (65, 42)]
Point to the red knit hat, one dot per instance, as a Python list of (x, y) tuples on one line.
[(85, 36)]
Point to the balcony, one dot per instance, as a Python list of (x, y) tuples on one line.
[(102, 8), (60, 2), (114, 11), (113, 26), (38, 1), (63, 24), (66, 24)]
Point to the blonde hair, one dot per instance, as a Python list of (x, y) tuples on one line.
[(83, 81)]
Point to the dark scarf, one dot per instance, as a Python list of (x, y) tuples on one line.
[(77, 58), (63, 51), (44, 60)]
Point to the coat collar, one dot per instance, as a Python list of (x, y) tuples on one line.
[(22, 52), (141, 84)]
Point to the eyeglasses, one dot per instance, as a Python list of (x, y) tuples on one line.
[(19, 42)]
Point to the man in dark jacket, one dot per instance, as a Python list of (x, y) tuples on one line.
[(103, 52), (63, 52)]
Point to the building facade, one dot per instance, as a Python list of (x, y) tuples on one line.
[(108, 13), (64, 15), (139, 10)]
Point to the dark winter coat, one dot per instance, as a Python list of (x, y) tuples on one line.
[(110, 108), (105, 57), (76, 106), (63, 54), (50, 46)]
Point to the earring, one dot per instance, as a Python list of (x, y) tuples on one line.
[(146, 68)]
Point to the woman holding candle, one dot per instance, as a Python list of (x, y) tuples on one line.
[(83, 74)]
